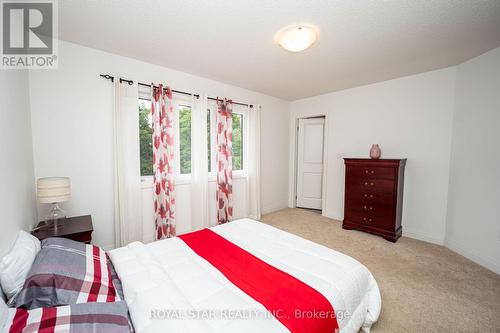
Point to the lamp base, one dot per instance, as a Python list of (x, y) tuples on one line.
[(54, 217)]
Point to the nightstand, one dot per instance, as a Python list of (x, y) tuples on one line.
[(78, 228)]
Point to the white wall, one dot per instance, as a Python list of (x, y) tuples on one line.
[(72, 130), (411, 118), (17, 201), (473, 223)]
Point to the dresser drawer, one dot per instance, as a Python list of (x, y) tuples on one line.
[(370, 172), (382, 220), (365, 185), (370, 197), (370, 209)]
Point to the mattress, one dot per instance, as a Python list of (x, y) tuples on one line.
[(168, 287)]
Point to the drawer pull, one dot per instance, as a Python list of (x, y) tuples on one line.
[(370, 172), (370, 184), (368, 196), (366, 219), (368, 207)]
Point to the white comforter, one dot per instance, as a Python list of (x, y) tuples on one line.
[(167, 275)]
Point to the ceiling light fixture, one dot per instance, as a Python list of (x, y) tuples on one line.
[(297, 38)]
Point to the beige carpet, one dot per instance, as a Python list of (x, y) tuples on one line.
[(424, 287)]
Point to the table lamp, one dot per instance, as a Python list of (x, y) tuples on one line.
[(53, 190)]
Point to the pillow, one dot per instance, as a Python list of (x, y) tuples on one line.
[(81, 318), (66, 272), (4, 310), (14, 267)]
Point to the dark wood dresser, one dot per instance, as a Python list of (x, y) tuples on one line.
[(374, 196)]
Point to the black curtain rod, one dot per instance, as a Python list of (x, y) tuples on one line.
[(237, 103), (131, 82)]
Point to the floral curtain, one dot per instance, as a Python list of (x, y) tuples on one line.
[(163, 161), (224, 161)]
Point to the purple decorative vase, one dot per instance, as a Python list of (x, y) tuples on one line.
[(375, 151)]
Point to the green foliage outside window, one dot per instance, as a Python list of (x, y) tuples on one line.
[(146, 146), (237, 141), (185, 139), (145, 137)]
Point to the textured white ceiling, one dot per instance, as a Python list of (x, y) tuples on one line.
[(361, 42)]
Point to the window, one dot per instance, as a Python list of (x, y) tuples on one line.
[(145, 137), (239, 139), (183, 114), (185, 139), (237, 142)]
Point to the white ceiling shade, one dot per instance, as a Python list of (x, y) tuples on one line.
[(297, 38), (232, 41)]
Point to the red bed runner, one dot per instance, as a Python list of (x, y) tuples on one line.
[(299, 307)]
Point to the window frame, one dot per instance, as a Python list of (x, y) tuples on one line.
[(145, 95), (179, 102), (185, 101), (240, 110)]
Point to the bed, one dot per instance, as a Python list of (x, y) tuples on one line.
[(169, 287)]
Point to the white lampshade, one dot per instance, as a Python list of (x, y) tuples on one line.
[(53, 189)]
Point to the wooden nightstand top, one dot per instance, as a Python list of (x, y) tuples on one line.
[(77, 228)]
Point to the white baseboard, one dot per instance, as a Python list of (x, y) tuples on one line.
[(422, 236), (273, 208), (486, 262), (332, 215), (451, 244), (407, 233)]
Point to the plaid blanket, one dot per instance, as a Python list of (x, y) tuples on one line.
[(66, 272), (78, 318)]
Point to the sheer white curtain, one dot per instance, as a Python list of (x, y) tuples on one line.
[(199, 164), (253, 162), (127, 177)]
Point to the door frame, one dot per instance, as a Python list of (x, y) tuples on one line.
[(294, 141)]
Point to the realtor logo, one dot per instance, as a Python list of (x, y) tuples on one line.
[(29, 34)]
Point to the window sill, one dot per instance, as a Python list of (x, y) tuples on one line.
[(147, 181), (236, 175)]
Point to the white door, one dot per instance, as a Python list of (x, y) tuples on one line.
[(310, 163)]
